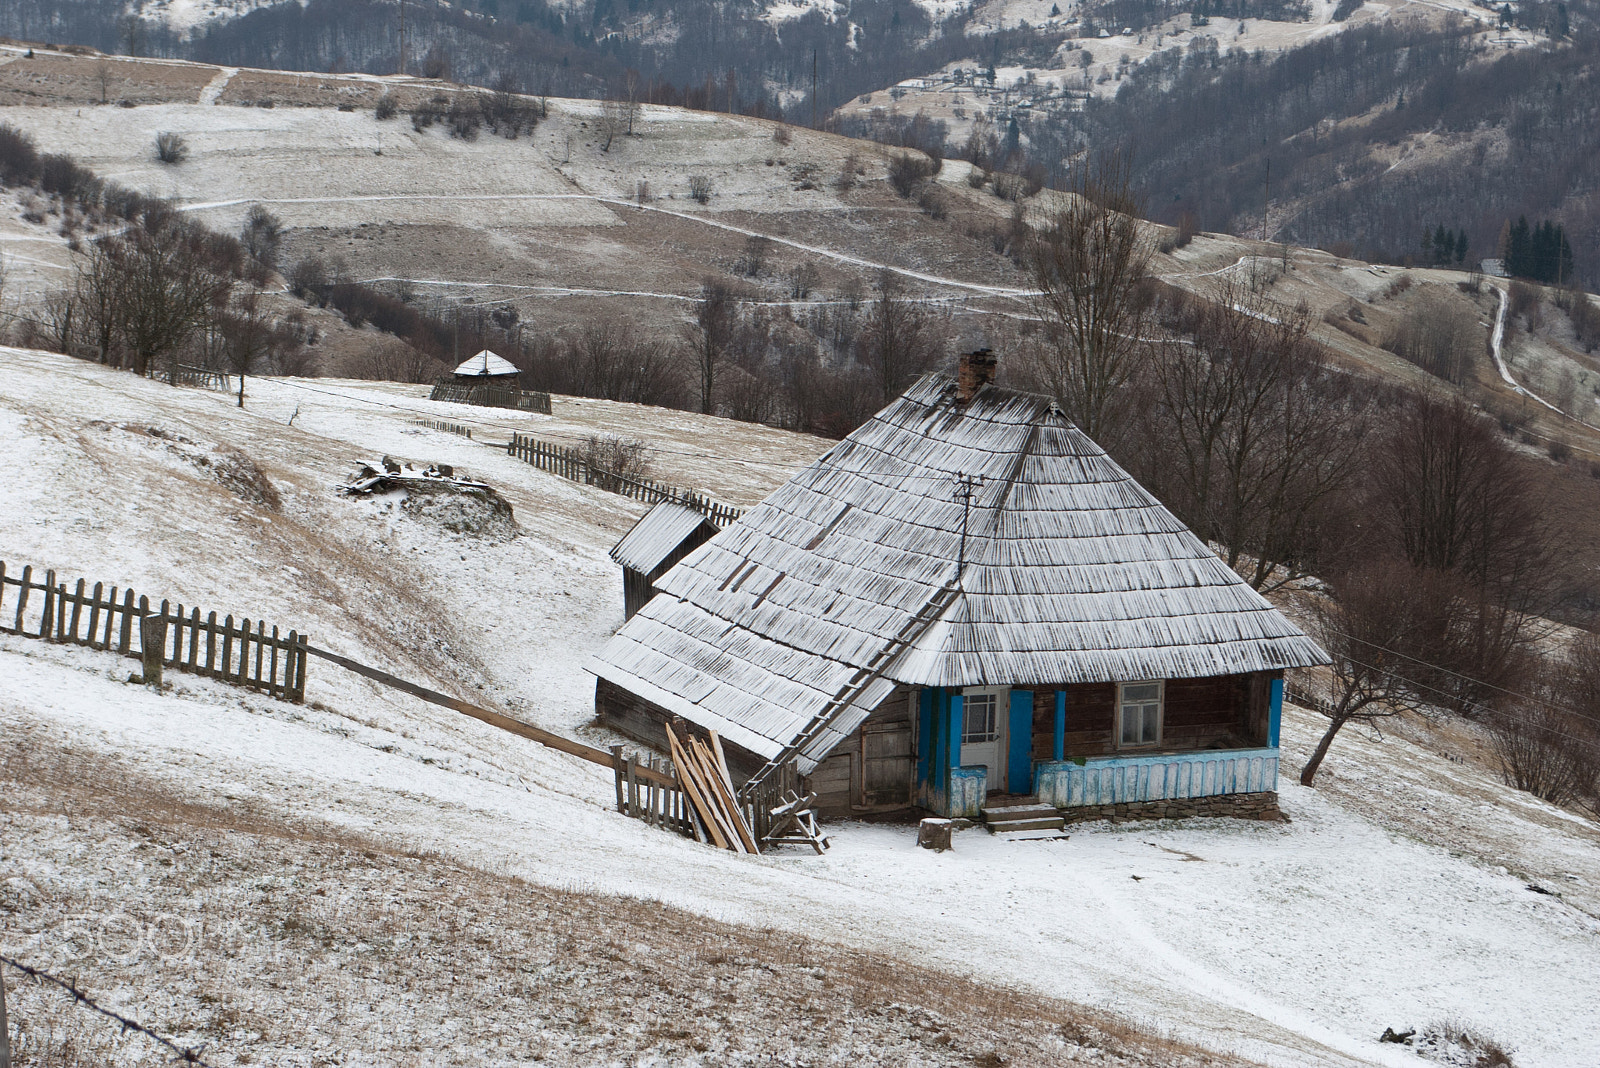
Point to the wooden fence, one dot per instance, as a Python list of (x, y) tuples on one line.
[(1306, 699), (448, 428), (245, 653), (489, 395), (650, 792), (187, 374), (569, 463)]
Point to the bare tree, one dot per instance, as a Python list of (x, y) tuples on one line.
[(1373, 614), (1088, 266), (98, 288), (1250, 434), (249, 335), (166, 290), (715, 320), (631, 81), (1451, 497), (1545, 750), (1439, 335), (898, 341), (62, 316), (262, 235), (613, 120)]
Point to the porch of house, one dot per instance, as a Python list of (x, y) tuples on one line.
[(1174, 747)]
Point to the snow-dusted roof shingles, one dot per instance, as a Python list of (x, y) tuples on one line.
[(1074, 573), (486, 363), (656, 536)]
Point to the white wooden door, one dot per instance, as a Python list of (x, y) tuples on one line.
[(983, 735)]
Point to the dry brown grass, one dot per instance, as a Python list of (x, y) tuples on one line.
[(274, 942)]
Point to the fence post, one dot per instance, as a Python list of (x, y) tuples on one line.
[(153, 640), (616, 766), (22, 595), (47, 617), (125, 635), (5, 1027)]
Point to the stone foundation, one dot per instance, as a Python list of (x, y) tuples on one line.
[(1259, 806)]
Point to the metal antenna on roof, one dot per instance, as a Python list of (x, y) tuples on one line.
[(966, 486)]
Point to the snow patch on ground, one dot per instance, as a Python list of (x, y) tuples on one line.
[(1396, 897)]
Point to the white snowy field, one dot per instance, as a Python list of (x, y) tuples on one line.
[(1398, 895)]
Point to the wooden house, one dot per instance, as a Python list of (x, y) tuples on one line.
[(667, 533), (967, 607)]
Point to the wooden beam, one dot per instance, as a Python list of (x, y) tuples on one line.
[(733, 796), (494, 719)]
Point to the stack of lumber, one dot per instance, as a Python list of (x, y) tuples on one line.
[(703, 775)]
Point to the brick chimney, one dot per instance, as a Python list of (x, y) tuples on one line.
[(975, 372)]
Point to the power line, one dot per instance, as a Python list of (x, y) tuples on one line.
[(1467, 678), (183, 1054), (1453, 697)]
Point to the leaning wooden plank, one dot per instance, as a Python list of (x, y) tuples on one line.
[(686, 776), (690, 775), (710, 781), (732, 795), (494, 719)]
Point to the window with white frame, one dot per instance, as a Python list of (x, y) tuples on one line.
[(979, 718), (1139, 713)]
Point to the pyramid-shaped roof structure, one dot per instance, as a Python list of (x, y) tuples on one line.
[(488, 364), (791, 625)]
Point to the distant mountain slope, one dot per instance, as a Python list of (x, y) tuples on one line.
[(1378, 120)]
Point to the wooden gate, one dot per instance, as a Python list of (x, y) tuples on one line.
[(888, 764)]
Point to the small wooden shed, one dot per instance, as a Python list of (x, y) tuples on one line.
[(667, 533), (967, 607)]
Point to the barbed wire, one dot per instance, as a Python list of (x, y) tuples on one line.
[(182, 1054)]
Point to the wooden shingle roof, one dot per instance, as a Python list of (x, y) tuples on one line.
[(1073, 573), (657, 535), (486, 364)]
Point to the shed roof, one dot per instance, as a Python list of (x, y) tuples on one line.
[(657, 535), (1073, 573), (487, 363)]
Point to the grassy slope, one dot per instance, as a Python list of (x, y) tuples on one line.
[(1397, 896)]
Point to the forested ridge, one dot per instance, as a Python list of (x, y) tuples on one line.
[(1506, 135)]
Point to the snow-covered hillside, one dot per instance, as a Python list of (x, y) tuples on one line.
[(1398, 896)]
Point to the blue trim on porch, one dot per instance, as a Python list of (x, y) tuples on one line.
[(1059, 750), (1276, 719), (1158, 777)]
